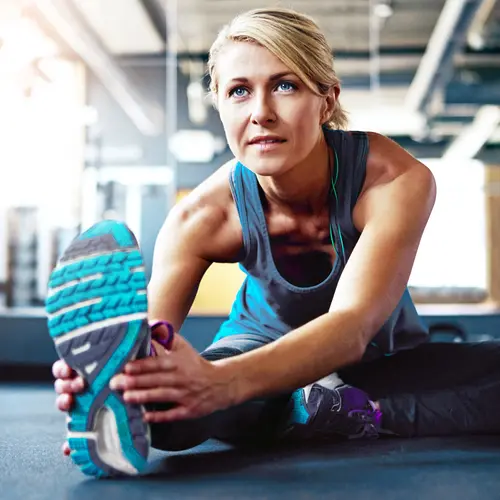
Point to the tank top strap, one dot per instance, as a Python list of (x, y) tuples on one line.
[(351, 150), (246, 197)]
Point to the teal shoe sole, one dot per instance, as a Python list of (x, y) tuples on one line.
[(97, 318)]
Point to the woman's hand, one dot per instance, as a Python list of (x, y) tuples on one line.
[(181, 376), (67, 383)]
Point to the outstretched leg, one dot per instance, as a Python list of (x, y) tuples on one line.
[(97, 317), (326, 408), (253, 422), (435, 389)]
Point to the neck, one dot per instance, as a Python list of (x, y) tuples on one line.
[(305, 187)]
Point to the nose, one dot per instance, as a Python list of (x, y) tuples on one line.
[(263, 110)]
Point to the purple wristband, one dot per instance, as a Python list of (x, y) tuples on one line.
[(166, 343)]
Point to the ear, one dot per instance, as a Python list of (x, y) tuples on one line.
[(330, 101)]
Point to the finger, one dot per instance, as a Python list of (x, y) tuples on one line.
[(64, 402), (66, 449), (157, 395), (150, 365), (178, 413), (62, 386), (60, 369), (69, 386), (78, 384), (56, 368), (159, 349), (142, 381)]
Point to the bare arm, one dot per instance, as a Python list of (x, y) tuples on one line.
[(391, 214), (202, 229), (177, 269)]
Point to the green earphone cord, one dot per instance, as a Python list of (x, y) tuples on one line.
[(334, 191)]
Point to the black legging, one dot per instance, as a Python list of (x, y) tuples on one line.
[(435, 389)]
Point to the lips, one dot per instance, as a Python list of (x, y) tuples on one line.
[(271, 141), (267, 140)]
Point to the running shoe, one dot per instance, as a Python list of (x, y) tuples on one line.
[(97, 318), (344, 411)]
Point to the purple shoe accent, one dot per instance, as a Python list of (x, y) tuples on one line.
[(341, 411), (349, 412), (166, 343)]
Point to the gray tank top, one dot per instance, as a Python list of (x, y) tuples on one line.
[(267, 304)]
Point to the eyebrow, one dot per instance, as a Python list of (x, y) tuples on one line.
[(272, 78)]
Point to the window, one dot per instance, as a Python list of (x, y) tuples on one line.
[(451, 260)]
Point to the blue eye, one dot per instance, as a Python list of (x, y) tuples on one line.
[(284, 86), (238, 92), (287, 86)]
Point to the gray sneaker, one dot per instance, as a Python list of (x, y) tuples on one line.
[(316, 411)]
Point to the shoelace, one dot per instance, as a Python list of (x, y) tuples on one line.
[(370, 420)]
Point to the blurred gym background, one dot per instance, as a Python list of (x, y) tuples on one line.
[(103, 113)]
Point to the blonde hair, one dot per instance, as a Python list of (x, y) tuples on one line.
[(296, 40)]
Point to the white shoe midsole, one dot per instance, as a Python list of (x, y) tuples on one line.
[(108, 447)]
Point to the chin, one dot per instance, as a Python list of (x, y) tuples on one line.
[(266, 167)]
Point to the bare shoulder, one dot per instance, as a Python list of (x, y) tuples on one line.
[(207, 219), (387, 162), (394, 180)]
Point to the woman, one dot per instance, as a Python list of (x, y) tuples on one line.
[(326, 224)]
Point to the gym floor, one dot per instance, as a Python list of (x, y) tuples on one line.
[(33, 467), (137, 148)]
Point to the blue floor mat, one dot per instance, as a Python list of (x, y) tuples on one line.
[(33, 467)]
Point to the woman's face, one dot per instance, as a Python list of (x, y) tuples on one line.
[(271, 119)]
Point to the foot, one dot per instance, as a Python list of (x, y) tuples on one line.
[(317, 411), (97, 318)]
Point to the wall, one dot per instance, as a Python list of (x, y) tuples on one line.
[(115, 141), (119, 133), (26, 342), (119, 136), (218, 287), (122, 142)]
